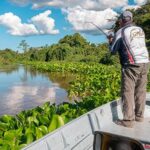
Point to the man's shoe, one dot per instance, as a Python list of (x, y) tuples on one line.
[(125, 123), (139, 119)]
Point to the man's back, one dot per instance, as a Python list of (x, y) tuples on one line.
[(130, 43), (134, 39)]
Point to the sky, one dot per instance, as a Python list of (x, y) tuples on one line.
[(42, 22)]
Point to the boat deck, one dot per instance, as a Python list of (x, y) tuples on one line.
[(110, 113), (140, 131)]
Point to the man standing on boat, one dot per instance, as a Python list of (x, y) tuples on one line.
[(129, 41)]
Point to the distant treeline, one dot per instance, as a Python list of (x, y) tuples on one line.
[(74, 48), (70, 48)]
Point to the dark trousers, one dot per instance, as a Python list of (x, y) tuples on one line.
[(133, 90)]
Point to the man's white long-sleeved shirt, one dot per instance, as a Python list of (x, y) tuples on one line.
[(129, 41)]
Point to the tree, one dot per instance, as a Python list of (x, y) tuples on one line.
[(23, 45), (148, 1), (75, 40)]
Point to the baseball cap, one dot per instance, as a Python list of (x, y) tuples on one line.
[(126, 14)]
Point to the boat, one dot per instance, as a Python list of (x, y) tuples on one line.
[(79, 133)]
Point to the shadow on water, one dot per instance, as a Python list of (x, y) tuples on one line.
[(23, 87)]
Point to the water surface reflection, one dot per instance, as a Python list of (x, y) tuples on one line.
[(24, 88)]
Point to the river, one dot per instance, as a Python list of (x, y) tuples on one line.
[(23, 87)]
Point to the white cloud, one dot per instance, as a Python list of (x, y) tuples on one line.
[(20, 2), (78, 12), (86, 4), (80, 17), (131, 7), (44, 24), (15, 26), (141, 2), (40, 24)]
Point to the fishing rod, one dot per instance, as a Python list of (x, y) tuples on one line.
[(107, 35), (98, 28)]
